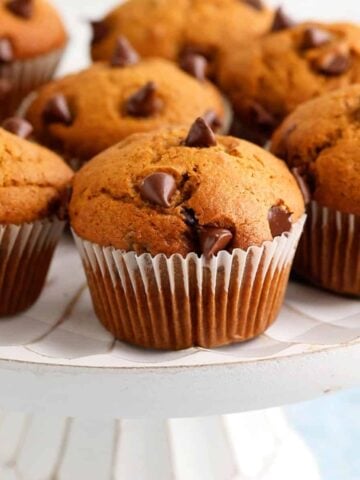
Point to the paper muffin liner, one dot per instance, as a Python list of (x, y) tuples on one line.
[(24, 76), (329, 250), (25, 255), (176, 302)]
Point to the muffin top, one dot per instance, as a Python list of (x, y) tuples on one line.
[(320, 140), (29, 28), (33, 180), (281, 70), (168, 29), (179, 191), (80, 115)]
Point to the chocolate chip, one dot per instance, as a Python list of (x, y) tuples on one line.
[(18, 126), (261, 117), (279, 221), (212, 240), (197, 50), (257, 4), (21, 8), (57, 110), (190, 217), (144, 102), (158, 188), (213, 120), (281, 21), (6, 51), (195, 65), (334, 62), (200, 135), (99, 31), (315, 37), (124, 53), (300, 176)]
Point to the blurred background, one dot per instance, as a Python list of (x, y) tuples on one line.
[(331, 425)]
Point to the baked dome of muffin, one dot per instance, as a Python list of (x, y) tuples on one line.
[(29, 28), (279, 71), (80, 115), (179, 191), (320, 140), (33, 180), (167, 29)]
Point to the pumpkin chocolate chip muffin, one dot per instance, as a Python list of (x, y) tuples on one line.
[(285, 68), (32, 39), (33, 191), (187, 238), (80, 115), (320, 142), (171, 29)]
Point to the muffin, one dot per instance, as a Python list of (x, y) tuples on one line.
[(82, 114), (34, 184), (322, 150), (169, 29), (276, 73), (32, 39), (187, 238)]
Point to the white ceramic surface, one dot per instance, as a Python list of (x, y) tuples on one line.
[(56, 357)]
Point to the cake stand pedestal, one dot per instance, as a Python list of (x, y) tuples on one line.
[(245, 446), (84, 407)]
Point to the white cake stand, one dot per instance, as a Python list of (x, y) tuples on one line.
[(97, 409)]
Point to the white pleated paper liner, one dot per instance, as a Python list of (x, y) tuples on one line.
[(329, 250), (24, 76), (175, 303), (25, 254)]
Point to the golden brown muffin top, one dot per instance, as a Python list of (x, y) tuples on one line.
[(166, 28), (104, 104), (179, 191), (33, 180), (29, 28), (321, 140), (281, 70)]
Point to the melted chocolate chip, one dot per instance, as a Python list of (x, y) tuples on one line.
[(213, 120), (145, 102), (190, 217), (300, 176), (279, 221), (335, 62), (200, 135), (195, 65), (257, 4), (6, 51), (212, 240), (18, 126), (21, 8), (124, 54), (281, 21), (158, 188), (57, 110), (99, 31), (315, 37)]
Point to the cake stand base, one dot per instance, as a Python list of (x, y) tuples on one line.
[(247, 446)]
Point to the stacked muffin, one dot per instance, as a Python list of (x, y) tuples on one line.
[(187, 237)]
